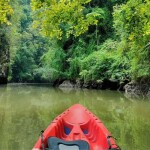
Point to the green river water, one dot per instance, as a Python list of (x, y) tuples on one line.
[(25, 110)]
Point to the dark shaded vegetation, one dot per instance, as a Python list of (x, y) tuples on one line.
[(4, 55)]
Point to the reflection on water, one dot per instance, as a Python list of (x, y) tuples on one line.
[(27, 109)]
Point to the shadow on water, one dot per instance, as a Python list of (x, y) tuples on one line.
[(27, 109)]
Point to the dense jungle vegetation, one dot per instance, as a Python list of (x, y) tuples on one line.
[(89, 40)]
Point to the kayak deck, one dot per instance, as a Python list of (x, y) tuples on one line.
[(77, 124)]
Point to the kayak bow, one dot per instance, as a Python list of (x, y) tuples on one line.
[(76, 129)]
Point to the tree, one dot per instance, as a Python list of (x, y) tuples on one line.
[(27, 45), (132, 23), (5, 11), (60, 19)]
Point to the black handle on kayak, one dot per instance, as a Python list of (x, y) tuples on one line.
[(110, 145), (42, 140)]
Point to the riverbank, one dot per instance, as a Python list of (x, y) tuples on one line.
[(99, 84), (132, 89)]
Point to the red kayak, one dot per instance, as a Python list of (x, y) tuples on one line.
[(76, 129)]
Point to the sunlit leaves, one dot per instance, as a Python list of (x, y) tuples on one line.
[(132, 23), (5, 11), (134, 19), (60, 19)]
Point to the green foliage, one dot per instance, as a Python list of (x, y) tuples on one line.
[(15, 31), (27, 45), (23, 67), (60, 19), (105, 63), (133, 17), (132, 23), (89, 39), (79, 51), (27, 59), (4, 51), (53, 63), (5, 11), (5, 14)]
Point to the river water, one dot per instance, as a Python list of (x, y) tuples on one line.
[(25, 110)]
